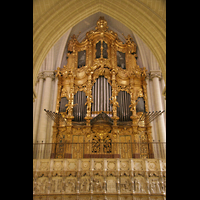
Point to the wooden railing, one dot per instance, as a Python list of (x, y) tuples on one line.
[(101, 150)]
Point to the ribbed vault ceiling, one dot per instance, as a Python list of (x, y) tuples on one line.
[(53, 18)]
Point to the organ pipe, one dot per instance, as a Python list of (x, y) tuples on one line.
[(98, 99), (110, 93), (96, 93), (123, 111), (105, 94), (107, 97)]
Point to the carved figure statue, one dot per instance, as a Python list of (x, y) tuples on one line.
[(72, 42), (88, 103)]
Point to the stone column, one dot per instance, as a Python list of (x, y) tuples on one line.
[(37, 109), (36, 91), (150, 98), (155, 75), (48, 75)]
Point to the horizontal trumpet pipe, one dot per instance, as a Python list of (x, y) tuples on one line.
[(159, 113), (155, 116), (151, 116)]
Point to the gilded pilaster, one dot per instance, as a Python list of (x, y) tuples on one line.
[(113, 100)]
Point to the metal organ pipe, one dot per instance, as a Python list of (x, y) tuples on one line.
[(96, 97), (79, 111), (121, 109), (129, 103), (107, 93), (124, 101), (110, 92), (100, 95)]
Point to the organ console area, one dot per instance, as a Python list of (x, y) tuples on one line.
[(101, 96)]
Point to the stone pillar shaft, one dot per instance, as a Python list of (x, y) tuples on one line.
[(45, 105), (155, 75), (37, 109)]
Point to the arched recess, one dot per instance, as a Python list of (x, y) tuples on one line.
[(50, 25)]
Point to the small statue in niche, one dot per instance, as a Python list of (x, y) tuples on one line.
[(153, 186), (137, 185), (97, 185), (125, 187), (85, 185), (163, 186), (42, 185), (70, 185)]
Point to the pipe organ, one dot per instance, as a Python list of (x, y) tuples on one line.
[(101, 96)]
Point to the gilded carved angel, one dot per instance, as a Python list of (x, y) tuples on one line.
[(70, 106), (88, 102)]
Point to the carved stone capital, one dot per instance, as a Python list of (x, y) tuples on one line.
[(147, 76), (49, 74), (40, 76), (155, 74)]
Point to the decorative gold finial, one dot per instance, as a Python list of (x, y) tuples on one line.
[(101, 24)]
